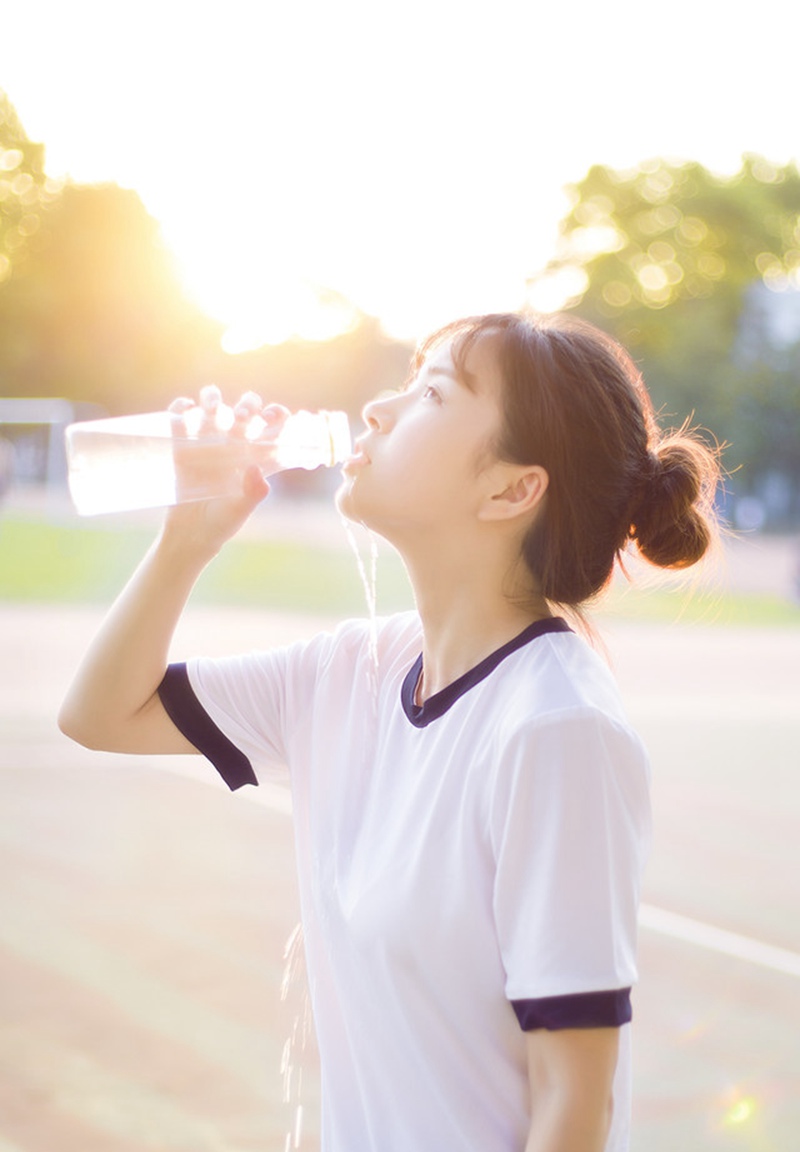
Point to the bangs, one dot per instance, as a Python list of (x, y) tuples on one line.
[(464, 335)]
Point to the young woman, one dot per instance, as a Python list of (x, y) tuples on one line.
[(471, 805)]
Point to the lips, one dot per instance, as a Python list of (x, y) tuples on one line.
[(358, 460)]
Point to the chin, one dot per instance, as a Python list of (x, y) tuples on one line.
[(347, 503), (344, 500), (349, 506)]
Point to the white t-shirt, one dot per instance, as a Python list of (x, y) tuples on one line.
[(467, 869)]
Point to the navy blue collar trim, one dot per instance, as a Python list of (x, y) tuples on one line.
[(436, 705)]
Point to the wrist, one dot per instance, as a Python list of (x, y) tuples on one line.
[(183, 551)]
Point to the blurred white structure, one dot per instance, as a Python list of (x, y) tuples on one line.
[(34, 429)]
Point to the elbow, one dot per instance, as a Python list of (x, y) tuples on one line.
[(69, 726), (77, 727)]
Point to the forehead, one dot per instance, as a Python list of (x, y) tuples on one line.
[(475, 365)]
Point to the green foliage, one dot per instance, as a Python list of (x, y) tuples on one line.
[(25, 193), (91, 308), (687, 269), (96, 313), (344, 372), (667, 233)]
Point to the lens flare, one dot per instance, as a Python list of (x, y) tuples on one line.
[(740, 1111)]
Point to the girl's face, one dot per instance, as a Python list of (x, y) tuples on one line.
[(423, 463)]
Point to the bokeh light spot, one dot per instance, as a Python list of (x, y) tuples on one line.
[(657, 186), (652, 278), (28, 224), (658, 220), (11, 159), (661, 252), (693, 230), (766, 261), (617, 294), (765, 172), (740, 1112), (597, 239), (596, 210), (711, 265)]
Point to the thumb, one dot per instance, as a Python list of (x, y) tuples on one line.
[(254, 486)]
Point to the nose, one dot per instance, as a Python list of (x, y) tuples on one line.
[(378, 414)]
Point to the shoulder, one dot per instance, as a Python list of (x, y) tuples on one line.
[(562, 706), (390, 634), (355, 641), (556, 676)]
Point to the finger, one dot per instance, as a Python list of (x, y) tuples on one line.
[(246, 410), (181, 404), (275, 412), (178, 410), (274, 417), (210, 398), (213, 411), (252, 400)]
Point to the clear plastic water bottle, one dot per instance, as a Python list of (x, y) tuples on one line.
[(157, 459)]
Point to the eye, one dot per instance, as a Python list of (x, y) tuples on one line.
[(431, 393)]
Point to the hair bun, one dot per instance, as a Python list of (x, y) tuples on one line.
[(672, 525)]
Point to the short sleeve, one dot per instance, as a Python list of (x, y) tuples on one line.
[(570, 829), (252, 715), (240, 711), (248, 698)]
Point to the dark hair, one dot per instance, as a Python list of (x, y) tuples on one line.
[(575, 404)]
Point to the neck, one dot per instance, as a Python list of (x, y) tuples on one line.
[(466, 612)]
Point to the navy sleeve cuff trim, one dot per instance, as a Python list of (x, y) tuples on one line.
[(577, 1010), (188, 714)]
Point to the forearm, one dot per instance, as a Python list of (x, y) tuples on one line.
[(572, 1082), (570, 1123), (117, 679)]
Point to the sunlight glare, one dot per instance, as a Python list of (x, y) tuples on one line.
[(555, 290), (257, 297), (273, 314), (740, 1112)]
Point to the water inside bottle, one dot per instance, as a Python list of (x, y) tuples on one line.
[(106, 472), (129, 462)]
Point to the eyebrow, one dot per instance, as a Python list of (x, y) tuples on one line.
[(432, 370), (465, 379)]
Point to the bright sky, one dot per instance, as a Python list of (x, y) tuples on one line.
[(410, 156)]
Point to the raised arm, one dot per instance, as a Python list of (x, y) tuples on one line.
[(113, 703)]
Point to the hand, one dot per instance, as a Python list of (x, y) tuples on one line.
[(236, 445)]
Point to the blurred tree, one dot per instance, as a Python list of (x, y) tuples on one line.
[(91, 308), (666, 257), (97, 313), (343, 372)]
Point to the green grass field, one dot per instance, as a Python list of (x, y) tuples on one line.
[(52, 562), (76, 563)]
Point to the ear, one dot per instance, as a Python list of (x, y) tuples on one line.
[(516, 494)]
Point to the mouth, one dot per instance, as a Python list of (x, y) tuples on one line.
[(359, 459)]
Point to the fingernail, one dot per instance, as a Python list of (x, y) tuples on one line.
[(210, 396)]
